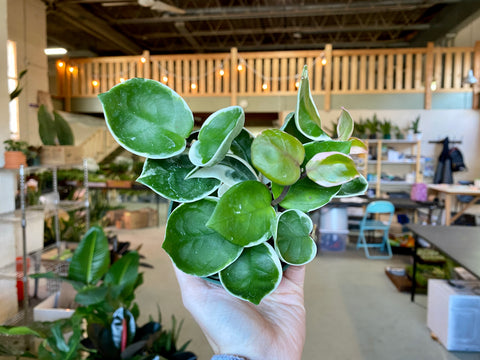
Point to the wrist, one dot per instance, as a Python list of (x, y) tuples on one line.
[(228, 357)]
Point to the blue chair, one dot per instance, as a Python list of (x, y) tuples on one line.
[(370, 223)]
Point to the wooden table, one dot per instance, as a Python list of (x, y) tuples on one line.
[(450, 192), (460, 243)]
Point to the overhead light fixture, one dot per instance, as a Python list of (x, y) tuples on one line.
[(55, 51), (470, 79)]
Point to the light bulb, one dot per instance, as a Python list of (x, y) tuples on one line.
[(61, 64), (143, 60), (264, 86), (95, 83), (71, 69), (165, 79), (122, 79), (193, 86), (433, 85), (297, 84), (221, 72), (324, 61), (240, 67)]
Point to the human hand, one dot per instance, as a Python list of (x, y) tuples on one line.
[(274, 329)]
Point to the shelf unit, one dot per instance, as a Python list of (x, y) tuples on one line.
[(65, 205), (414, 146)]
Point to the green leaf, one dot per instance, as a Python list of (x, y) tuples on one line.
[(292, 241), (91, 295), (241, 145), (315, 147), (46, 126), (305, 195), (167, 178), (63, 129), (345, 125), (18, 330), (358, 146), (216, 136), (194, 248), (244, 215), (254, 275), (354, 187), (123, 274), (147, 118), (278, 156), (231, 170), (91, 259), (331, 169), (290, 127), (307, 118)]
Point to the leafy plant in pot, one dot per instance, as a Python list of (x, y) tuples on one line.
[(15, 154), (240, 202), (105, 294)]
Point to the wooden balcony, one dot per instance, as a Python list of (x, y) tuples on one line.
[(232, 75)]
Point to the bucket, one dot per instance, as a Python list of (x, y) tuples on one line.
[(333, 219), (19, 265)]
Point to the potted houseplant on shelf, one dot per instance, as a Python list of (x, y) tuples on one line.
[(414, 130), (240, 204), (386, 129), (398, 133), (372, 126), (360, 130), (15, 154), (57, 138), (105, 294)]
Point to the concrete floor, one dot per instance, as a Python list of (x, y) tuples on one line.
[(354, 312)]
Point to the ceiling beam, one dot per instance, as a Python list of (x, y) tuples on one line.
[(93, 25), (287, 30), (449, 19), (180, 26), (256, 12)]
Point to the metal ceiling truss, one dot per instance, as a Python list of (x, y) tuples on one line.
[(125, 27)]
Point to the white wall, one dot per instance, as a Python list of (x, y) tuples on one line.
[(28, 28), (469, 34), (463, 125)]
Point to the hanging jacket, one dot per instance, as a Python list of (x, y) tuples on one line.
[(443, 172)]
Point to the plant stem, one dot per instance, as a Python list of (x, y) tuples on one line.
[(280, 198)]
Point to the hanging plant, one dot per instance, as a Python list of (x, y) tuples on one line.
[(241, 202)]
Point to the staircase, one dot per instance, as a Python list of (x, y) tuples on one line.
[(100, 145)]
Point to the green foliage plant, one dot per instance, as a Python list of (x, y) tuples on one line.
[(53, 128), (372, 125), (415, 125), (240, 202), (386, 129), (105, 294), (16, 92)]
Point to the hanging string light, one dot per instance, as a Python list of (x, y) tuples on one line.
[(60, 64)]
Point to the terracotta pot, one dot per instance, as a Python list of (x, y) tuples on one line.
[(13, 159)]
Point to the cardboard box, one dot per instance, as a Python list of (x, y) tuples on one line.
[(452, 313), (124, 219), (59, 305), (61, 155)]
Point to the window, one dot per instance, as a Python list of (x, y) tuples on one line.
[(12, 76)]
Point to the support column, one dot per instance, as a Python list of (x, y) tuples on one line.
[(233, 76), (428, 76)]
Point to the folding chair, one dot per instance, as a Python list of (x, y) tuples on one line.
[(369, 223)]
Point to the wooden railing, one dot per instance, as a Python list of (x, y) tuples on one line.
[(412, 70)]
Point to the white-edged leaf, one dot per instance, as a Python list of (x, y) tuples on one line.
[(331, 169), (216, 136), (254, 275), (345, 125), (293, 243)]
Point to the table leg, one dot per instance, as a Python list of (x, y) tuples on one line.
[(414, 271), (448, 209)]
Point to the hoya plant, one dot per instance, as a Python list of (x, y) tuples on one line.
[(240, 203)]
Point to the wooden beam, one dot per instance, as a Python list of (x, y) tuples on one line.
[(428, 76), (328, 77)]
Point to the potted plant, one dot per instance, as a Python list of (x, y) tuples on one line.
[(398, 133), (414, 127), (372, 126), (386, 129), (15, 154), (360, 130), (105, 294), (239, 204), (57, 138)]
